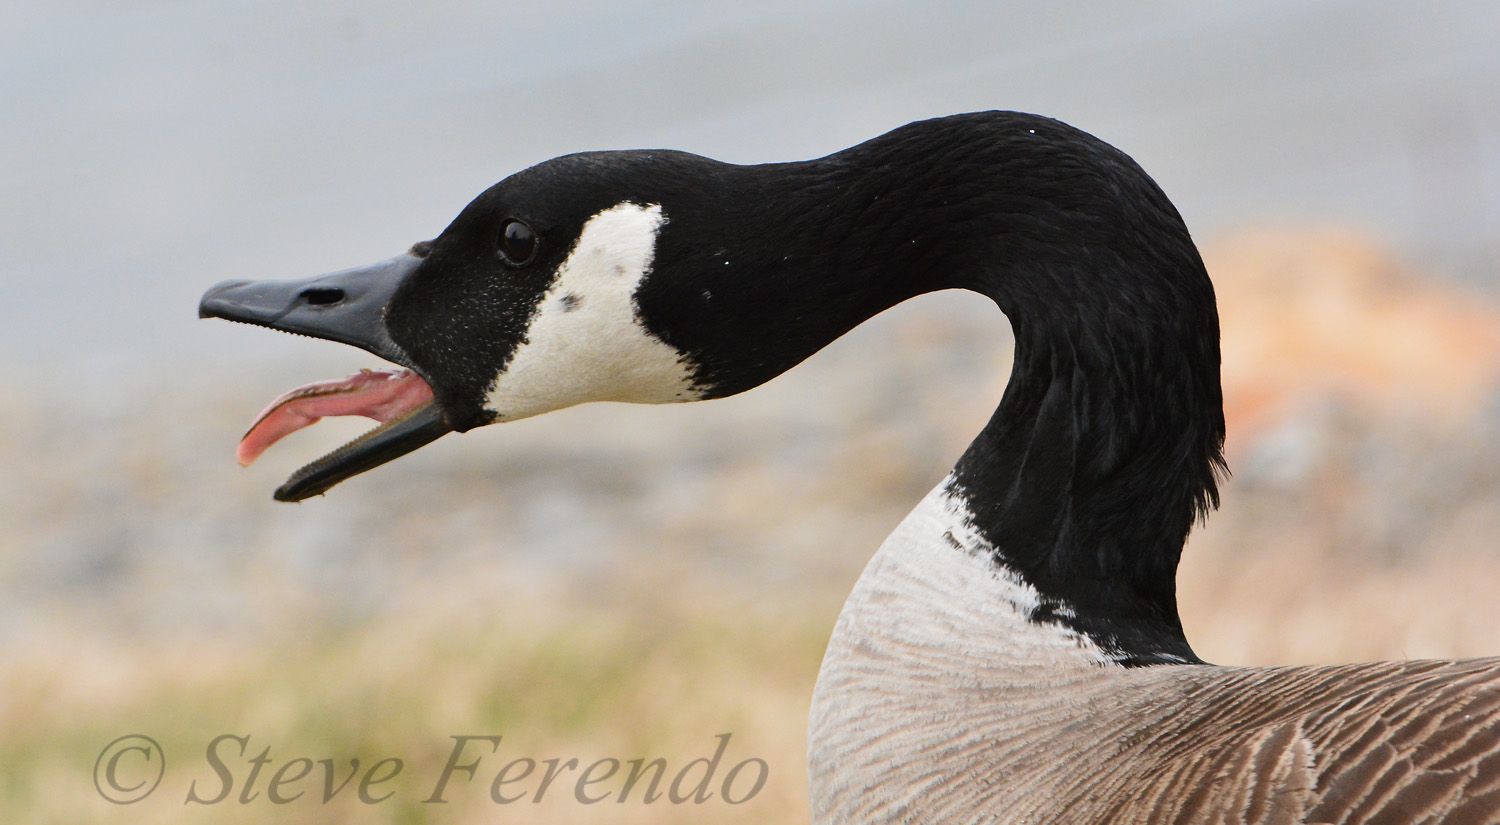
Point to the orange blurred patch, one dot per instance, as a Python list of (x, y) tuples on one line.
[(1313, 315)]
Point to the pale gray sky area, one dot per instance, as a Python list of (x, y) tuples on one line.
[(149, 149)]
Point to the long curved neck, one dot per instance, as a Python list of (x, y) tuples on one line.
[(1090, 473), (1105, 446)]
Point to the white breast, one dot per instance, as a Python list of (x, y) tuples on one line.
[(937, 689)]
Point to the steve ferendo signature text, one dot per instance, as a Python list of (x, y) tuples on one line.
[(237, 770)]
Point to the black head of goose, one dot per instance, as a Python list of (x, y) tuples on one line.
[(1013, 652)]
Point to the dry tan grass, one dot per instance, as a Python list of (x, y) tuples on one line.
[(649, 671)]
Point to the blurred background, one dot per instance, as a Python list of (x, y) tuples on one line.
[(630, 582)]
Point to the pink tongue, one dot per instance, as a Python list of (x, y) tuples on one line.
[(383, 396)]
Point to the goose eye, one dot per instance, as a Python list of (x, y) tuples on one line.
[(517, 243)]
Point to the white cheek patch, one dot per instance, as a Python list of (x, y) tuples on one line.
[(586, 342)]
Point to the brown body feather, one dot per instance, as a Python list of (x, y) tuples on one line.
[(1393, 743)]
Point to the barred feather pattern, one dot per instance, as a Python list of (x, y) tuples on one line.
[(941, 701)]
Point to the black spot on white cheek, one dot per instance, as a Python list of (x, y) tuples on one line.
[(571, 301), (619, 270)]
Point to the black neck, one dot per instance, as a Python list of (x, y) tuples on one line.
[(1107, 442)]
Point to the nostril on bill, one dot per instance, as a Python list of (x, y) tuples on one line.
[(322, 295)]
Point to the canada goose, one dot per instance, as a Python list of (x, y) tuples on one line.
[(1013, 652)]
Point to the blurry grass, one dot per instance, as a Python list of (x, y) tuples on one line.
[(644, 671)]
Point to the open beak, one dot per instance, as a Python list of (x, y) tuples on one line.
[(348, 307)]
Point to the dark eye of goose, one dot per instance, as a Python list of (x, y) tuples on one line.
[(517, 243)]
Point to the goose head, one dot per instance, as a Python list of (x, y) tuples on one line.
[(657, 276), (529, 301)]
